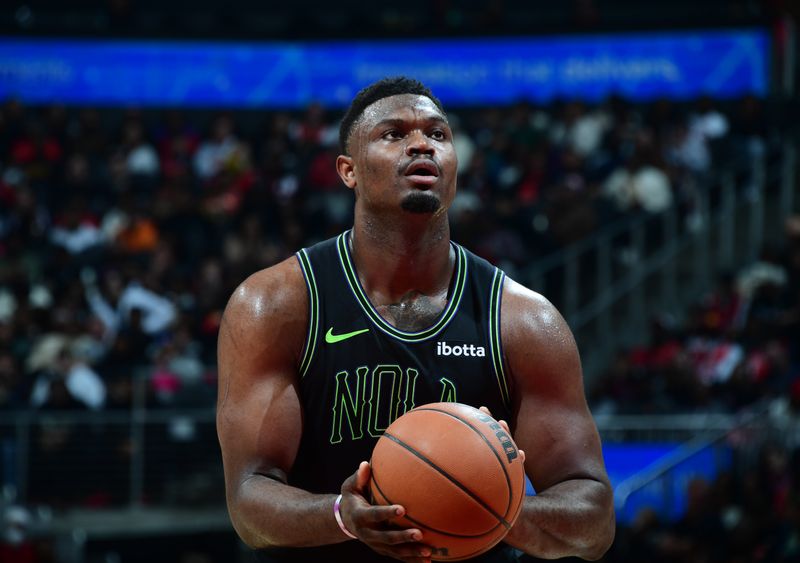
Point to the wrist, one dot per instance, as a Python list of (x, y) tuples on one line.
[(338, 515)]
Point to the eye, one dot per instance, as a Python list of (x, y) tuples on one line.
[(438, 135), (392, 134)]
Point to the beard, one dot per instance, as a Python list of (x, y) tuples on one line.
[(421, 202)]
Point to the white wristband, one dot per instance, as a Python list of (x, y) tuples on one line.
[(338, 517)]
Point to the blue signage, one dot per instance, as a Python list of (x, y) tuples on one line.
[(678, 65), (667, 495)]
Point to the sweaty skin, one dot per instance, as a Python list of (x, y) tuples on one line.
[(404, 259)]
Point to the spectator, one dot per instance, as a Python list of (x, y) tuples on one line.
[(177, 144), (77, 230), (687, 149), (36, 152), (139, 235), (218, 150), (464, 145), (60, 371), (639, 185), (115, 304), (141, 159)]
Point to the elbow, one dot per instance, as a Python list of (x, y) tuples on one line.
[(250, 534), (245, 533), (252, 538), (599, 549), (603, 538), (254, 513)]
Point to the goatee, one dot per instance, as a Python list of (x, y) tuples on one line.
[(421, 202)]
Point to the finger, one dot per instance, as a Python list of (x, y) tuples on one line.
[(362, 476), (349, 482), (522, 456), (502, 423), (377, 514), (394, 537)]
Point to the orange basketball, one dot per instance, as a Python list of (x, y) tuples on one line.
[(457, 473)]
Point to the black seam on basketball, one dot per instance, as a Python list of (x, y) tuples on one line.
[(485, 439), (458, 484), (426, 526)]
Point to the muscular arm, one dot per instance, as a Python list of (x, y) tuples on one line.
[(260, 423), (572, 513), (259, 419)]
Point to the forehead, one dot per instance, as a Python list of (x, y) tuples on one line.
[(401, 106)]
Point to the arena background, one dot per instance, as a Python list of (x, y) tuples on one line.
[(635, 162)]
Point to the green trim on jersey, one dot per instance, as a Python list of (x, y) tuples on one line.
[(313, 311), (449, 312), (495, 297)]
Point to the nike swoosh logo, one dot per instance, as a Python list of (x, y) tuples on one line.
[(331, 338)]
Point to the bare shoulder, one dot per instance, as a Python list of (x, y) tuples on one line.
[(527, 313), (269, 293), (266, 319), (537, 342)]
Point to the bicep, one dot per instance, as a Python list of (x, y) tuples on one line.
[(259, 417), (552, 422), (560, 441)]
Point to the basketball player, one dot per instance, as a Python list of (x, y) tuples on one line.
[(318, 354)]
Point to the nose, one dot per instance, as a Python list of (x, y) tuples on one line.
[(418, 144)]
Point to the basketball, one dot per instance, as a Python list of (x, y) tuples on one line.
[(458, 474)]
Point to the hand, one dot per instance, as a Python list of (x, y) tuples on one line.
[(504, 424), (373, 525)]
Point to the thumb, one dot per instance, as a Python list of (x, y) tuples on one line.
[(363, 475)]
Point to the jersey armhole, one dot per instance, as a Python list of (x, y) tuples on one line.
[(495, 339), (313, 312)]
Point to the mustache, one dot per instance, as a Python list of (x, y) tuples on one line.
[(431, 164)]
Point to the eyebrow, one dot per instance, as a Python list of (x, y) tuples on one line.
[(398, 122)]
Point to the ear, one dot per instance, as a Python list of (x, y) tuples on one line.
[(346, 169)]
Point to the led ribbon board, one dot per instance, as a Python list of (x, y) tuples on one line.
[(678, 65)]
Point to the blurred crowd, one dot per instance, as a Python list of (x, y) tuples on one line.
[(737, 346), (123, 232)]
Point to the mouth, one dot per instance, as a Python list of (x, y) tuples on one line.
[(424, 172)]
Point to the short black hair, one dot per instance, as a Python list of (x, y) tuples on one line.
[(383, 88)]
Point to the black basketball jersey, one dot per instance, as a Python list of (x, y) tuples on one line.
[(359, 373)]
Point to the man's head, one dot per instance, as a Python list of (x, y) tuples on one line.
[(377, 91), (397, 149)]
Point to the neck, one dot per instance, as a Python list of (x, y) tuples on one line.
[(394, 260)]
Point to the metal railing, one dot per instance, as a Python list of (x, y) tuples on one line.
[(147, 458), (141, 457), (157, 473), (752, 429), (608, 285)]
